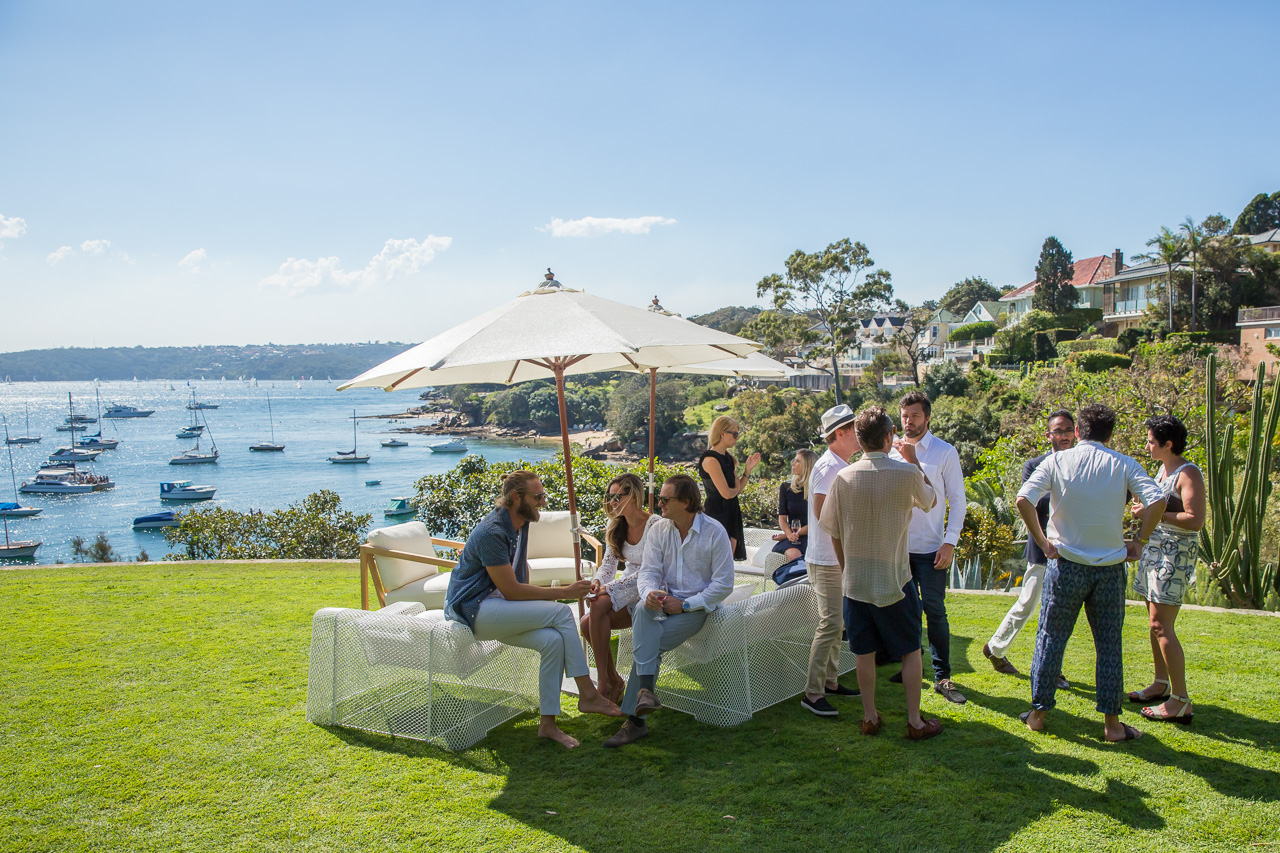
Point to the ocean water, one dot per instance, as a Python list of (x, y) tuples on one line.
[(312, 419)]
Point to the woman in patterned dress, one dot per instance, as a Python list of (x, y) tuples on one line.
[(1167, 568), (612, 597)]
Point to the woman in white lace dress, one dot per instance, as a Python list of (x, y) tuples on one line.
[(613, 595)]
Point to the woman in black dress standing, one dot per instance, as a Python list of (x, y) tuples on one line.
[(793, 508), (719, 478)]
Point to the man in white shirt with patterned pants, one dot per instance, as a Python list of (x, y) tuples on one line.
[(932, 538)]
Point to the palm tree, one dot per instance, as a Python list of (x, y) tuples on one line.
[(1193, 236), (1166, 248)]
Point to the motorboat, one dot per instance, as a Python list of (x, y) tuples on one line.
[(398, 508), (79, 419), (268, 446), (352, 456), (74, 454), (66, 481), (395, 442), (71, 428), (456, 445), (373, 482), (156, 520), (10, 509), (194, 431), (117, 411), (182, 490), (17, 548), (197, 407)]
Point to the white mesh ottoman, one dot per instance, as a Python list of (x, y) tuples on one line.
[(749, 655), (409, 672)]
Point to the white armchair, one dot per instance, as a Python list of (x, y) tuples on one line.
[(402, 562), (761, 560), (551, 550), (751, 653), (408, 672)]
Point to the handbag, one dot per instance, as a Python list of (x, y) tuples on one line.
[(790, 573)]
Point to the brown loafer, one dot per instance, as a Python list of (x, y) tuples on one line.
[(931, 728), (999, 664), (646, 702), (629, 733), (871, 727)]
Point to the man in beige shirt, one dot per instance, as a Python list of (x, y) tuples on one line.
[(867, 513)]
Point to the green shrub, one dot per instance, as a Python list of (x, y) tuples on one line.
[(973, 331), (1091, 344), (317, 527), (1092, 361)]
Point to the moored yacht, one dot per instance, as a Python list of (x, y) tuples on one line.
[(66, 481), (115, 410), (74, 454), (155, 520), (182, 490)]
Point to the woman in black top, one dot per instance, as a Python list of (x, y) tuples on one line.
[(793, 508), (716, 465)]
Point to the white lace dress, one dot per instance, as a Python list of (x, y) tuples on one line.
[(623, 590)]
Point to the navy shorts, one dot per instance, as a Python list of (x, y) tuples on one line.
[(894, 629)]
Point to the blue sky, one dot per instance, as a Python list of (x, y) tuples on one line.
[(230, 172)]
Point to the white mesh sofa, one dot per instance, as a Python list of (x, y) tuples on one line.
[(408, 672), (750, 654)]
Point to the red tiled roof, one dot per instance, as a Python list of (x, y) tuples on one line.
[(1086, 272)]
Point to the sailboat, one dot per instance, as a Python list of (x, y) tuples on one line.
[(194, 456), (17, 547), (15, 509), (96, 441), (268, 446), (195, 428), (71, 453), (350, 457), (23, 439)]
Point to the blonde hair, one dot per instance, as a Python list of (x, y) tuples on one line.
[(629, 486), (719, 427), (800, 482), (515, 485)]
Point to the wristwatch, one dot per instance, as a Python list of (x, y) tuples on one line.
[(684, 607)]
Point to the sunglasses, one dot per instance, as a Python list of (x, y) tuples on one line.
[(732, 432), (614, 498), (538, 496), (663, 500)]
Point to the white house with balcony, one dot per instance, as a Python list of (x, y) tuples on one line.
[(933, 337), (1087, 276), (974, 349)]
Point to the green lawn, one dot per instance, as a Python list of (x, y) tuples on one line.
[(161, 707)]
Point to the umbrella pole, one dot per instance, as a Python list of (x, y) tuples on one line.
[(653, 406), (558, 368)]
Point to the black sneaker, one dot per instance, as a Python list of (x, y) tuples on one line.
[(841, 690), (819, 706)]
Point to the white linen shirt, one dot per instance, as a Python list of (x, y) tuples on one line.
[(941, 465), (819, 548), (1087, 487), (698, 570)]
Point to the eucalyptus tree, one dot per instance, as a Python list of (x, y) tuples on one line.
[(837, 285), (1169, 249)]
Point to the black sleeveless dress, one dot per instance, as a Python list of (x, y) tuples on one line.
[(727, 512)]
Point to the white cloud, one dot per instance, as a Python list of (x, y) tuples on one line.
[(95, 247), (594, 226), (298, 275), (59, 256), (11, 228), (194, 260)]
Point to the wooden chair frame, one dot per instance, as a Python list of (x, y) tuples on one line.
[(369, 567)]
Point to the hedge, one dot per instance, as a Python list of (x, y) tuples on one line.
[(1093, 361), (1088, 345), (984, 329)]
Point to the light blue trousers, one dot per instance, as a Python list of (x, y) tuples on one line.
[(650, 638), (547, 627)]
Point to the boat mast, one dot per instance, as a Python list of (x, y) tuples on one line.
[(271, 420), (12, 476)]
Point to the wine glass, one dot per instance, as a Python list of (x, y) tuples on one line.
[(662, 614), (795, 526)]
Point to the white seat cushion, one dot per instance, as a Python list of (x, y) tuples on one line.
[(411, 537), (428, 591), (550, 536), (543, 570), (741, 592)]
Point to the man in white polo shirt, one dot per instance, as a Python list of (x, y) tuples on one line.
[(824, 568), (1085, 548)]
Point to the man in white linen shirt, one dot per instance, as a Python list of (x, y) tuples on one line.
[(866, 515), (686, 573), (824, 569), (934, 533), (1085, 549)]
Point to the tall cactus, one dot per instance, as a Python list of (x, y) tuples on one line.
[(1231, 543)]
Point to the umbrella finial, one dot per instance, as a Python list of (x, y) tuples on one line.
[(656, 307), (550, 276)]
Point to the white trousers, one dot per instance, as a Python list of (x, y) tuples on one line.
[(548, 627), (1020, 612)]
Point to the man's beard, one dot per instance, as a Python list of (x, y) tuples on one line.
[(529, 513), (916, 434)]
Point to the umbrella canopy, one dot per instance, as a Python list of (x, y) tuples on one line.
[(755, 364), (517, 341), (555, 330)]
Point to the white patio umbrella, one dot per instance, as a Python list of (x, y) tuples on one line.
[(558, 331)]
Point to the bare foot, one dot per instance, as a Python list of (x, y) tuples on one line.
[(599, 705), (1034, 720), (552, 732), (1120, 732)]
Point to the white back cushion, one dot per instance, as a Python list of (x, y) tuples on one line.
[(550, 536), (411, 537)]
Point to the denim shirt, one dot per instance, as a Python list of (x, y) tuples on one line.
[(493, 542)]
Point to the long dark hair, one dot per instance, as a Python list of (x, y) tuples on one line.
[(629, 486)]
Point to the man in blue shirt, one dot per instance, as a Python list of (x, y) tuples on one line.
[(687, 572)]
